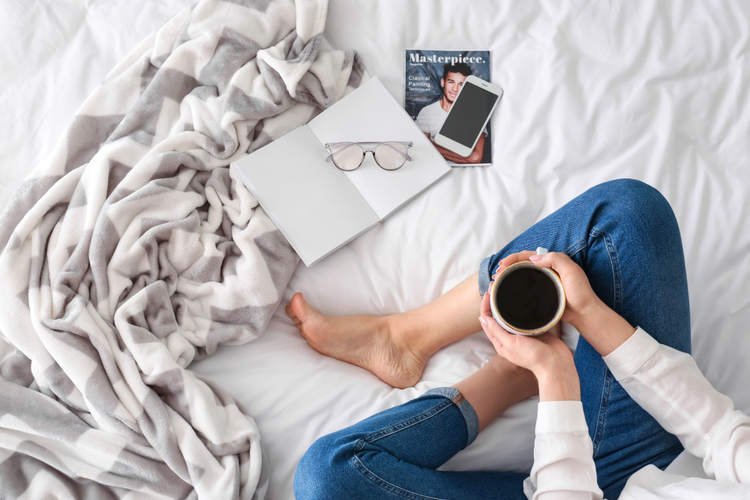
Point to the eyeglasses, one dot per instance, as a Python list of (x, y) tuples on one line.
[(348, 156)]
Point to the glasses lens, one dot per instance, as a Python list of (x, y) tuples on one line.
[(347, 156), (390, 155)]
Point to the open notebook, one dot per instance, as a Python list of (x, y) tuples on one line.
[(320, 208)]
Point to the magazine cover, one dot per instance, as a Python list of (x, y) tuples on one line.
[(432, 79)]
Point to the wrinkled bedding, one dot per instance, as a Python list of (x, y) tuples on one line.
[(593, 91), (132, 250)]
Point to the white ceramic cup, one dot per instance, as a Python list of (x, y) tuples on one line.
[(522, 302)]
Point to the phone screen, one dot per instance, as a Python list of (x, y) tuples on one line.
[(468, 115)]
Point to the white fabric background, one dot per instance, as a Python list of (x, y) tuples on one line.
[(657, 91)]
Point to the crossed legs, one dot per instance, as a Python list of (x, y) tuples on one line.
[(625, 237), (397, 347)]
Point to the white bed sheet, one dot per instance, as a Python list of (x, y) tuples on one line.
[(657, 91)]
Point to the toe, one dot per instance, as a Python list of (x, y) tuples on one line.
[(297, 304)]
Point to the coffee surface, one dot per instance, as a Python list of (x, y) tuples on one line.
[(527, 299)]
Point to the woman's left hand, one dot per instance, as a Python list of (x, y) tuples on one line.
[(510, 259), (545, 355)]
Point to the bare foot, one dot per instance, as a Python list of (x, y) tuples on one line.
[(366, 341)]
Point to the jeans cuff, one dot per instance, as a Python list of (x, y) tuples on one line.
[(485, 276), (470, 416)]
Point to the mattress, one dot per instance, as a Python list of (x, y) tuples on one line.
[(594, 91)]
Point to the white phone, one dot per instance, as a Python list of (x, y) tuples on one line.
[(468, 116)]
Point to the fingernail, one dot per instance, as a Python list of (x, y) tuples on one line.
[(483, 321), (535, 258)]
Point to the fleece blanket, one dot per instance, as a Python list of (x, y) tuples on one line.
[(134, 250)]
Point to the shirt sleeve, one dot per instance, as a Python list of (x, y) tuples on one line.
[(669, 385), (563, 464)]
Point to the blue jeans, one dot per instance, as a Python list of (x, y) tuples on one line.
[(624, 235)]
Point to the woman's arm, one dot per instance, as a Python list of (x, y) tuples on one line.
[(669, 385), (563, 463), (603, 328), (663, 381)]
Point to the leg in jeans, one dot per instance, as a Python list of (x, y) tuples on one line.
[(395, 453), (624, 235)]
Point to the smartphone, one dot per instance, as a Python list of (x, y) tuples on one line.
[(469, 115)]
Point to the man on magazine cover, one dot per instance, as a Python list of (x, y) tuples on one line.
[(432, 116)]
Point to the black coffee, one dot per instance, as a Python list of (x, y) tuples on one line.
[(527, 299)]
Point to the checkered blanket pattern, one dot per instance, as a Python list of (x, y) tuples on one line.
[(134, 250)]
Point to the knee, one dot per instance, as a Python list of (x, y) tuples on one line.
[(640, 202), (322, 471), (633, 191)]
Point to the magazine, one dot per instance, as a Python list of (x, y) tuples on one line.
[(429, 74)]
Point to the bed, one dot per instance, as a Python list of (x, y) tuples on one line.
[(594, 91)]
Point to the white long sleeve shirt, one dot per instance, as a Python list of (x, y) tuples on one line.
[(668, 384)]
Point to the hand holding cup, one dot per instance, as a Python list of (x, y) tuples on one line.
[(580, 298), (526, 299), (545, 355)]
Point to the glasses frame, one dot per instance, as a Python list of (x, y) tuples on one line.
[(367, 147)]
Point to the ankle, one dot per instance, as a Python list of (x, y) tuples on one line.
[(418, 332), (522, 381)]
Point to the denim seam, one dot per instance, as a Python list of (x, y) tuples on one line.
[(458, 399), (612, 253), (467, 411), (382, 483), (617, 298), (375, 436), (575, 248), (603, 407), (371, 438)]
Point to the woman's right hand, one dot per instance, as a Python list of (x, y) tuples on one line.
[(580, 297), (602, 327)]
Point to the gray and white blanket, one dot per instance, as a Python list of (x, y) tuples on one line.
[(134, 251)]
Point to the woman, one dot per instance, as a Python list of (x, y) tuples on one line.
[(609, 417)]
